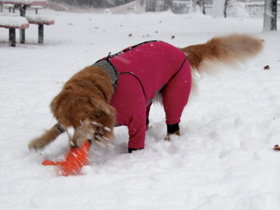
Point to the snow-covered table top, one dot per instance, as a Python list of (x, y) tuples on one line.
[(40, 19), (25, 2), (13, 21)]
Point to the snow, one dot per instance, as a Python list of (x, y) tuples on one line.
[(27, 2), (12, 21), (218, 8), (223, 159), (39, 19)]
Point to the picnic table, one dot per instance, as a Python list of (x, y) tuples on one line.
[(23, 5)]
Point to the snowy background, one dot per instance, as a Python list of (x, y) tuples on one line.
[(222, 160)]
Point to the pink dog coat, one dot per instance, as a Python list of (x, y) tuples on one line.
[(138, 73)]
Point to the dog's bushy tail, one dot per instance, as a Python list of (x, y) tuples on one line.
[(229, 50)]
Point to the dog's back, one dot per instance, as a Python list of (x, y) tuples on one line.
[(153, 63)]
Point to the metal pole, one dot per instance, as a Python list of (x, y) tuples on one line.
[(22, 10), (40, 33), (12, 37)]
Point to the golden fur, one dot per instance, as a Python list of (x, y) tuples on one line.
[(84, 101), (228, 50), (83, 104), (46, 138)]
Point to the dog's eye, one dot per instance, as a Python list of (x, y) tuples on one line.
[(97, 115)]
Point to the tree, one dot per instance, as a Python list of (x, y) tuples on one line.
[(270, 15), (225, 8)]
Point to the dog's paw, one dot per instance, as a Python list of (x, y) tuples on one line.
[(147, 127), (36, 145), (32, 146), (130, 150), (167, 137)]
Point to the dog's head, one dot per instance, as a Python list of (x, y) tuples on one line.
[(85, 107), (92, 119)]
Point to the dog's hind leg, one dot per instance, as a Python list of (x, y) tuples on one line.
[(175, 96), (46, 138), (147, 116), (173, 129)]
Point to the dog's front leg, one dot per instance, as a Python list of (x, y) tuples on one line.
[(46, 138), (137, 133)]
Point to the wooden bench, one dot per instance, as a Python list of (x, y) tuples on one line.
[(11, 23), (40, 21)]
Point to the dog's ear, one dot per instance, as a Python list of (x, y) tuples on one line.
[(66, 109), (104, 115), (53, 104), (102, 109), (106, 109), (57, 101)]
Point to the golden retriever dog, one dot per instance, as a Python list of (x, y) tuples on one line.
[(119, 89)]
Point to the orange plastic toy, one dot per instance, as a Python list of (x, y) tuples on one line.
[(75, 160)]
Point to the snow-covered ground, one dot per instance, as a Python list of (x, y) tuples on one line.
[(223, 159)]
